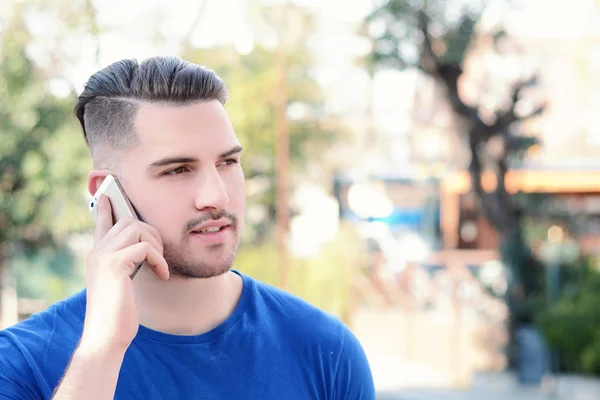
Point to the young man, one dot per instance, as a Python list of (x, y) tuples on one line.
[(187, 326)]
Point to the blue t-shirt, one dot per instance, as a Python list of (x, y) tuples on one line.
[(273, 346)]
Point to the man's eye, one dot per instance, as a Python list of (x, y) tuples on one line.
[(176, 171), (230, 161)]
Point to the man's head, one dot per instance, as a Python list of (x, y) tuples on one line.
[(161, 127)]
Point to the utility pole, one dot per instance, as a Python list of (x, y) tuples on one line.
[(282, 148)]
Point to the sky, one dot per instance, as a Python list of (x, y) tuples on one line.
[(545, 19), (348, 88), (226, 21)]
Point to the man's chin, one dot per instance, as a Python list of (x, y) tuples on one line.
[(189, 273), (199, 263), (201, 270)]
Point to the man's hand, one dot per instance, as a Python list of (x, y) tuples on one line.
[(111, 320)]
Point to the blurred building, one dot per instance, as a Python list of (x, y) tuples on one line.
[(567, 195)]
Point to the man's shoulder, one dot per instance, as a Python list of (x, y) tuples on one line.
[(316, 338), (35, 352), (290, 311), (63, 318)]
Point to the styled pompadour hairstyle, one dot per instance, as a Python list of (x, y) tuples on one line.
[(107, 107)]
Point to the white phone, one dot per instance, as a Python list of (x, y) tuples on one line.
[(119, 202)]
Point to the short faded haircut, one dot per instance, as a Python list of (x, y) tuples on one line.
[(107, 107)]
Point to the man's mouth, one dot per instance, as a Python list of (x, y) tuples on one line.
[(211, 229)]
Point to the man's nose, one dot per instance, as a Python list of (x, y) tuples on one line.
[(211, 192)]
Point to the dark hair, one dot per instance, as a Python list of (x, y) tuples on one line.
[(107, 106)]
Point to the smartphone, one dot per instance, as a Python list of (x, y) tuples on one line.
[(119, 202)]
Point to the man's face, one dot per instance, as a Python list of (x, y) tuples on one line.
[(185, 179)]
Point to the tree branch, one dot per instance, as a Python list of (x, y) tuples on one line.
[(449, 74), (486, 201), (497, 207), (504, 120), (428, 61), (503, 199)]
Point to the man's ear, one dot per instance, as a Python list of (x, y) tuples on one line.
[(95, 178)]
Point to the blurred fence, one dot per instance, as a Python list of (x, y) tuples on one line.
[(437, 334)]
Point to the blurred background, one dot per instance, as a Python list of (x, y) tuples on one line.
[(426, 170)]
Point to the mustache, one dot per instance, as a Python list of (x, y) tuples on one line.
[(213, 215)]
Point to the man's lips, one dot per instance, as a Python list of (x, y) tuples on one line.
[(212, 226), (215, 234)]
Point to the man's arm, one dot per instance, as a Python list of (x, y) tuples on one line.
[(353, 379), (111, 317), (92, 374)]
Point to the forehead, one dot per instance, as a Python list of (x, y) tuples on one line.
[(200, 127)]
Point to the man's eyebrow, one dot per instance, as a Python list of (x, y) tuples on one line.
[(236, 149), (172, 160), (189, 160)]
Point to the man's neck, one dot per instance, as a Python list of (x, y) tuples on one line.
[(185, 306)]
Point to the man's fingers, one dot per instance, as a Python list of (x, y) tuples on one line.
[(144, 251), (131, 241), (154, 232), (157, 262), (104, 220), (118, 227), (132, 234)]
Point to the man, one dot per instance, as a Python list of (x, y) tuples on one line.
[(187, 326)]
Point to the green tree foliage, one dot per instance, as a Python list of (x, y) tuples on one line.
[(42, 155), (396, 28), (572, 328)]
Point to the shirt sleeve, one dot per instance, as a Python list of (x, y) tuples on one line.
[(17, 381), (353, 379)]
